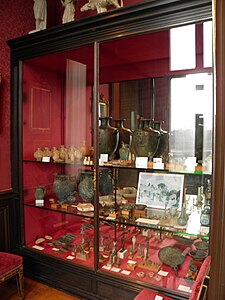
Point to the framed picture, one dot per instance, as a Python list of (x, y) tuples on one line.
[(157, 190)]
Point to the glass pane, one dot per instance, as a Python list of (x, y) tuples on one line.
[(58, 154), (207, 46), (182, 48), (191, 116), (148, 196)]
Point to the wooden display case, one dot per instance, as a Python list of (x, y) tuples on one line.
[(86, 233)]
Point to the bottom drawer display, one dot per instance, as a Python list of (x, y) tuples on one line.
[(158, 259), (66, 236)]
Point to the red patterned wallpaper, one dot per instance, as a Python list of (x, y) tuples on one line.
[(16, 20)]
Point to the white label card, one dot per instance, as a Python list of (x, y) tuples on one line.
[(131, 262), (70, 257), (183, 288), (157, 297), (125, 272), (115, 269), (158, 166), (103, 158), (106, 267), (38, 247), (163, 273), (141, 162), (46, 159)]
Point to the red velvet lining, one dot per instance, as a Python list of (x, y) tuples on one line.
[(171, 281)]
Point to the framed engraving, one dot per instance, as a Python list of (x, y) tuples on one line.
[(159, 190)]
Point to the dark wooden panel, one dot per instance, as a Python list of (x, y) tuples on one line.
[(112, 292), (4, 228), (59, 274), (6, 212)]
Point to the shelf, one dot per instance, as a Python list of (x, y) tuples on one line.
[(57, 163), (70, 209)]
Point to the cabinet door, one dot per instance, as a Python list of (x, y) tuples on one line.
[(57, 155), (155, 145)]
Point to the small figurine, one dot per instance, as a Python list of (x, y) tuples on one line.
[(117, 261), (102, 247), (140, 250), (134, 239), (100, 5), (110, 262), (69, 11), (123, 239), (131, 252), (114, 248), (74, 249), (88, 242), (40, 14), (82, 233), (108, 243)]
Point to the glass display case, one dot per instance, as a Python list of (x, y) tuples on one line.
[(115, 161)]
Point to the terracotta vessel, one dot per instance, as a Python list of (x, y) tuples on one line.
[(64, 187), (125, 135), (163, 147), (108, 137), (145, 139), (85, 186)]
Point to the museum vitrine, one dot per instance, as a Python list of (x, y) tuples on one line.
[(114, 156)]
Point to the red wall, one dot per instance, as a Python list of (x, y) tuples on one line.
[(17, 19)]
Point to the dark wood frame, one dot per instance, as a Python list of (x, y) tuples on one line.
[(143, 17), (217, 275)]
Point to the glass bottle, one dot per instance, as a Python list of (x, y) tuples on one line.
[(208, 192), (182, 220), (200, 198), (205, 216)]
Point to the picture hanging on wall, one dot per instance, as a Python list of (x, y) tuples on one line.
[(159, 190)]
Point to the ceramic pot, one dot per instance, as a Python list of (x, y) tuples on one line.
[(38, 154), (125, 135), (64, 187), (62, 153), (39, 192), (105, 182), (47, 152), (108, 137), (163, 146), (145, 139), (103, 106), (85, 186)]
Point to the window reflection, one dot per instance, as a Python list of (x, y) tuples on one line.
[(207, 46), (191, 116), (182, 48)]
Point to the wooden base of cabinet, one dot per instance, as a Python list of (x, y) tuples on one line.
[(77, 280)]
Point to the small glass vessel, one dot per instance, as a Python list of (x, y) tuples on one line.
[(182, 220), (124, 151), (205, 216)]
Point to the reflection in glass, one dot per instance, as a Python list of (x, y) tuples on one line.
[(191, 108), (182, 48)]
